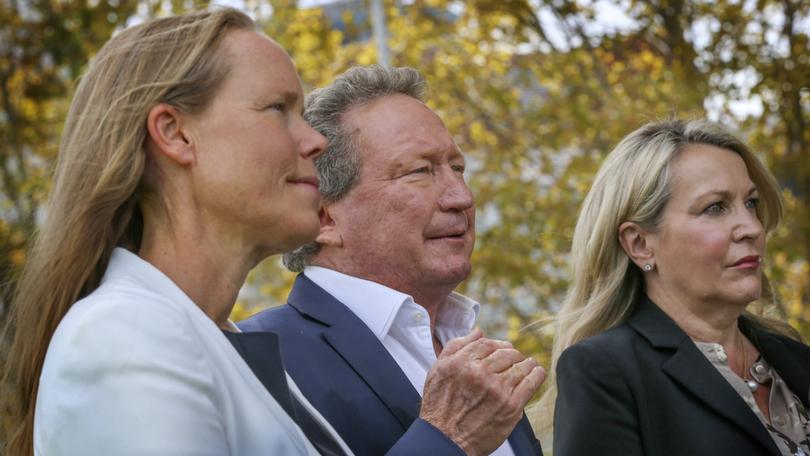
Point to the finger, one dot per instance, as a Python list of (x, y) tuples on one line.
[(454, 345), (524, 390), (518, 371), (502, 359), (481, 348)]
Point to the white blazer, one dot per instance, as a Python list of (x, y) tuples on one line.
[(136, 368)]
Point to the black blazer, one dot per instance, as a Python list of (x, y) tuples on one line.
[(644, 388)]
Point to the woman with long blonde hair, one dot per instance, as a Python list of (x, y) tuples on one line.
[(655, 352), (184, 161)]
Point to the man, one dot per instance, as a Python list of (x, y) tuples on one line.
[(373, 323)]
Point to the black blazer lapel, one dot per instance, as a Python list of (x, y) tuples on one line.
[(360, 348), (790, 359), (689, 367), (260, 350)]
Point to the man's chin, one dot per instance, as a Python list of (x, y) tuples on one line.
[(452, 274)]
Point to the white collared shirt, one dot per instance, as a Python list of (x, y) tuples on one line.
[(402, 325)]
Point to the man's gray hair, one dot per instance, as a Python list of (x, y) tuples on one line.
[(339, 166)]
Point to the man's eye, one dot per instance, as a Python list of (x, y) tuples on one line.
[(422, 170), (280, 107), (458, 168)]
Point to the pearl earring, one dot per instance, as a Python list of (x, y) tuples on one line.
[(648, 267)]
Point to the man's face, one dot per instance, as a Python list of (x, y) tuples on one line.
[(409, 222)]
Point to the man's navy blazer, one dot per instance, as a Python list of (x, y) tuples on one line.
[(349, 376)]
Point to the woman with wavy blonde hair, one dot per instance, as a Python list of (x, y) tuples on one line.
[(184, 161), (655, 352)]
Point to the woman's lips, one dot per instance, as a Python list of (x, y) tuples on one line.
[(748, 262)]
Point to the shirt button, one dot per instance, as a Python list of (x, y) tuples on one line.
[(418, 317)]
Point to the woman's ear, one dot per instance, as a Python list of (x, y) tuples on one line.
[(636, 242), (329, 233), (166, 132)]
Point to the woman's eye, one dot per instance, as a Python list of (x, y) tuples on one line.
[(715, 208), (752, 203)]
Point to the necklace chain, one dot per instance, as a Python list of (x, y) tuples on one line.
[(752, 382)]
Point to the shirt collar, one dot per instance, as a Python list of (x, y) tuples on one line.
[(357, 294), (377, 305), (458, 310)]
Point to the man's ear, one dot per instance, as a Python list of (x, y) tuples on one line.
[(329, 233), (166, 132), (637, 243)]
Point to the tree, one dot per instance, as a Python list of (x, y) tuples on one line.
[(44, 45), (536, 93), (759, 55)]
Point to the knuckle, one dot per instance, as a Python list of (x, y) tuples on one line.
[(513, 403), (496, 389), (480, 375), (480, 382), (505, 400)]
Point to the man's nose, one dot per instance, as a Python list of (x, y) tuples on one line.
[(456, 196)]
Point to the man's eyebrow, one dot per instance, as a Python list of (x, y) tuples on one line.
[(290, 97)]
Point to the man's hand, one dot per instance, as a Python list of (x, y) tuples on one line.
[(476, 391)]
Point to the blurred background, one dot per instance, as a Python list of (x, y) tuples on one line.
[(536, 93)]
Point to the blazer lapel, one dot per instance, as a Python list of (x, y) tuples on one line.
[(789, 364), (689, 367), (360, 348), (260, 350), (522, 439)]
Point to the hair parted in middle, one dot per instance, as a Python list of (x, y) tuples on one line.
[(339, 166), (634, 185)]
